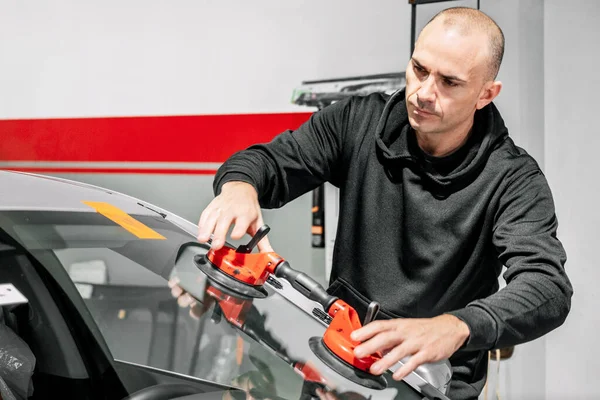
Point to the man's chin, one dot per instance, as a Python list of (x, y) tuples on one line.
[(422, 126)]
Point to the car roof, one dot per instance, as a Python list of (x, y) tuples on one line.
[(25, 191)]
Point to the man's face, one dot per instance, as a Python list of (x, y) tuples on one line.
[(445, 78)]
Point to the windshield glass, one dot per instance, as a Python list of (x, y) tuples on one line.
[(259, 345)]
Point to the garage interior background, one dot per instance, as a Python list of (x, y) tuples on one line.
[(204, 79)]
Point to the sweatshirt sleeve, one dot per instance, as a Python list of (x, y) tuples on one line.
[(537, 295), (294, 162)]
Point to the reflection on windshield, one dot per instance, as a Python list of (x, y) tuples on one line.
[(123, 281), (260, 345)]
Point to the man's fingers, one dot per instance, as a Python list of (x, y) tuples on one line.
[(185, 300), (391, 358), (207, 223), (370, 330), (220, 233), (381, 341), (176, 291), (240, 228), (413, 363)]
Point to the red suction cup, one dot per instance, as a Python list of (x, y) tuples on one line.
[(336, 348)]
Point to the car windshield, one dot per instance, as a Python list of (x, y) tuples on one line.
[(259, 345)]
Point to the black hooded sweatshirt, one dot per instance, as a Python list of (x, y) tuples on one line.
[(426, 235)]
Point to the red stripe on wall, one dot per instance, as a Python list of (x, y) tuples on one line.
[(203, 138), (92, 170)]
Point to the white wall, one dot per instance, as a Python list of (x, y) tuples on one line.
[(571, 48), (140, 57)]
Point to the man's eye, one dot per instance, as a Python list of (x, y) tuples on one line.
[(419, 69), (450, 83)]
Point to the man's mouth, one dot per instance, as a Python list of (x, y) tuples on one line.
[(420, 111)]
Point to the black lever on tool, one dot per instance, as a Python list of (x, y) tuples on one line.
[(260, 233), (372, 311)]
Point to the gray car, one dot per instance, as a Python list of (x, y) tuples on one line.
[(87, 312)]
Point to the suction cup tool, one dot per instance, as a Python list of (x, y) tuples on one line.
[(346, 370), (227, 284)]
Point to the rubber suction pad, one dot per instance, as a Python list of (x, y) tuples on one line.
[(227, 284), (346, 370)]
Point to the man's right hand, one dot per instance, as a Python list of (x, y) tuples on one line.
[(238, 205)]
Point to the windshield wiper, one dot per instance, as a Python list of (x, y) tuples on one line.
[(151, 209)]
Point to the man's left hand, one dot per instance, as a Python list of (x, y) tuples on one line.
[(426, 340)]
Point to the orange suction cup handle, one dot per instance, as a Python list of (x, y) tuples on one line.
[(337, 336)]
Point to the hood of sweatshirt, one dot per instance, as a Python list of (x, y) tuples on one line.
[(397, 147)]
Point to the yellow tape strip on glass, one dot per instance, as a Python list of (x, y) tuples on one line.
[(125, 220)]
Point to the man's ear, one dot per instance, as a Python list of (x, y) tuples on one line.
[(488, 93)]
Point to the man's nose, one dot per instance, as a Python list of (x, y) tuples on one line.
[(426, 94)]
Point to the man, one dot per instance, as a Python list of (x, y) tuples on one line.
[(435, 199)]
